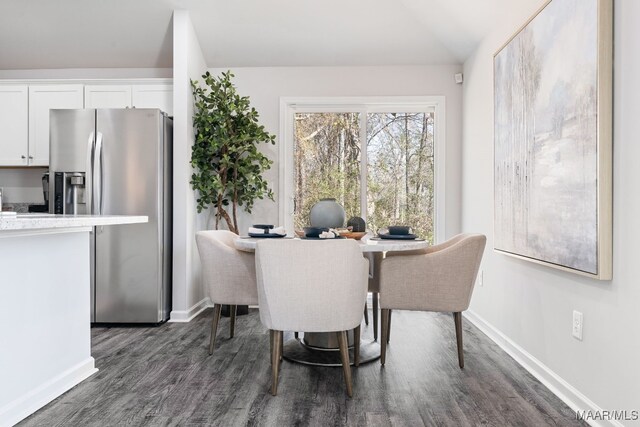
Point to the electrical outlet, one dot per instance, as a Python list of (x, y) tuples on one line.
[(577, 325), (480, 278)]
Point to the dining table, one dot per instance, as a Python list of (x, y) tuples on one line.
[(321, 348)]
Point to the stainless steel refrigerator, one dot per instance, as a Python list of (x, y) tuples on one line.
[(118, 162)]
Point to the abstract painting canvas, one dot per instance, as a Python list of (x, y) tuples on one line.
[(552, 131)]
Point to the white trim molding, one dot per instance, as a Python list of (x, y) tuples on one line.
[(185, 316), (100, 81), (25, 405), (557, 385), (361, 104)]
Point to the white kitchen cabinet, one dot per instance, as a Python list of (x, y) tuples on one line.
[(14, 128), (24, 110), (153, 96), (42, 98), (130, 96), (107, 96)]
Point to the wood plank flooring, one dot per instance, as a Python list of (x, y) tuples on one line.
[(163, 376)]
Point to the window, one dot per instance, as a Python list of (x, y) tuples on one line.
[(327, 162), (381, 160), (400, 174)]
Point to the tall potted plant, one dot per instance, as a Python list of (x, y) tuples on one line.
[(227, 164)]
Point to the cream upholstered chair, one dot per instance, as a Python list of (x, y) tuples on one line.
[(439, 278), (229, 275), (311, 286)]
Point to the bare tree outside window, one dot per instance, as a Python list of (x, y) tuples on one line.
[(327, 162), (400, 184), (400, 164)]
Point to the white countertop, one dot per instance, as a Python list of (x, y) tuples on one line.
[(41, 221)]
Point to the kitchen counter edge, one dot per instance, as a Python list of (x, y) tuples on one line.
[(43, 221)]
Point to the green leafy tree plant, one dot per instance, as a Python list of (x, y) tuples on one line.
[(227, 164)]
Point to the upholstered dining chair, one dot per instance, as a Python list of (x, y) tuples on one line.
[(229, 275), (375, 259), (311, 286), (439, 278)]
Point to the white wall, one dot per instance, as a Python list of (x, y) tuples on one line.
[(265, 86), (22, 185), (87, 73), (532, 305), (188, 64)]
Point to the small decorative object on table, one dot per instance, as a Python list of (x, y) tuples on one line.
[(327, 213), (350, 234), (330, 234), (399, 230), (320, 233), (314, 232), (396, 232), (266, 231), (357, 224), (263, 226)]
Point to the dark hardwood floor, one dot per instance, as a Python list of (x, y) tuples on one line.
[(164, 376)]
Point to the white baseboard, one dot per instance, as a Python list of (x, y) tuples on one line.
[(558, 386), (27, 404), (183, 316)]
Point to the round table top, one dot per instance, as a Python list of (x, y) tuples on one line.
[(367, 244)]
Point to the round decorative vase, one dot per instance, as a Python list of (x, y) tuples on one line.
[(327, 213)]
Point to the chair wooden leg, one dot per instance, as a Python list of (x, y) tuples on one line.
[(281, 344), (217, 308), (457, 318), (374, 297), (389, 327), (344, 355), (296, 335), (271, 349), (385, 333), (232, 319), (366, 314), (275, 364), (356, 346)]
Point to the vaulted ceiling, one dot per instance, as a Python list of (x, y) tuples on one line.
[(137, 33)]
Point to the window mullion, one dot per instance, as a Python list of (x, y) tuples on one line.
[(363, 163)]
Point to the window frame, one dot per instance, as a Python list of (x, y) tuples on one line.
[(289, 106)]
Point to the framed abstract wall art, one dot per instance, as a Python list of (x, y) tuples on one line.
[(553, 139)]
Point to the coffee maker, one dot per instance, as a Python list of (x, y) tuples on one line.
[(45, 192), (45, 189)]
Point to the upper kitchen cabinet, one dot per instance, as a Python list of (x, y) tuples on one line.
[(130, 96), (153, 96), (107, 96), (25, 105), (14, 119), (42, 98)]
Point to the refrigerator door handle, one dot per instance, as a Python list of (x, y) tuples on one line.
[(97, 176), (89, 173)]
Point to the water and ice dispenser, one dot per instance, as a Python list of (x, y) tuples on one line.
[(69, 193)]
